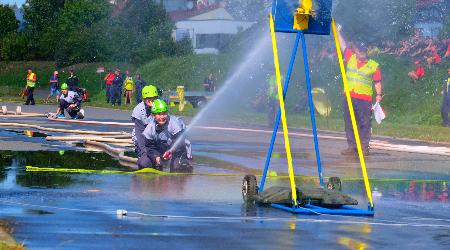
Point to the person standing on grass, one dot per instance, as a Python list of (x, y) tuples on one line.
[(140, 84), (108, 83), (272, 99), (72, 81), (210, 83), (31, 84), (54, 86), (116, 89), (129, 86)]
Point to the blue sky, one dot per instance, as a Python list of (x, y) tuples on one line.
[(18, 2)]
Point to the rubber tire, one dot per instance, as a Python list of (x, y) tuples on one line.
[(249, 188), (334, 183)]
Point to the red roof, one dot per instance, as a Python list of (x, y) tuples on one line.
[(179, 15)]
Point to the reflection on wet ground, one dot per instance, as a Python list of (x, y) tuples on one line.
[(73, 210), (27, 133)]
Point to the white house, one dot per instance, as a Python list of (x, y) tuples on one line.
[(210, 28)]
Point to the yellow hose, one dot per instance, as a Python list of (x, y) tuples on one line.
[(158, 172), (283, 112)]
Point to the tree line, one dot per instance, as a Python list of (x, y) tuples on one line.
[(78, 31)]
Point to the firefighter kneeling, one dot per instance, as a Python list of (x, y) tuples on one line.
[(69, 101), (165, 141)]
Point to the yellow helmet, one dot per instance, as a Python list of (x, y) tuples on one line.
[(149, 92)]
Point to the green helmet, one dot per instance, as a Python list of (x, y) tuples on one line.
[(159, 106), (64, 86), (149, 91)]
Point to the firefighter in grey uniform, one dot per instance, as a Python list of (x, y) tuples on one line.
[(141, 117), (69, 101), (165, 141)]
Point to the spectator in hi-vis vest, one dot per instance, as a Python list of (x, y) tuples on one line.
[(31, 84), (363, 76), (272, 99)]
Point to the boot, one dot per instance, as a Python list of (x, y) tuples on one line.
[(366, 151), (349, 151)]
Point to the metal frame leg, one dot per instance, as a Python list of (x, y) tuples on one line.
[(277, 120), (311, 109)]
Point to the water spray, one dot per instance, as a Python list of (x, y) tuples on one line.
[(257, 50)]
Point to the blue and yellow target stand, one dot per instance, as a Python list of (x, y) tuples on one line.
[(307, 17)]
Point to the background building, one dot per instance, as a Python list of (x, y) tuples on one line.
[(209, 26)]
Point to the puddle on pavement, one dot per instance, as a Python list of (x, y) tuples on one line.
[(27, 133), (258, 154), (13, 173)]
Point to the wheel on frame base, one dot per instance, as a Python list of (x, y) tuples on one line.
[(249, 188)]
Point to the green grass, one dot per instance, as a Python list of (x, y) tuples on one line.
[(189, 71)]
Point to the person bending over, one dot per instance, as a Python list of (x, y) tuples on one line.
[(69, 101), (141, 117), (164, 141)]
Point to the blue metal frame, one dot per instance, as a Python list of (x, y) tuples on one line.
[(299, 36), (306, 208), (277, 120), (316, 210), (311, 109)]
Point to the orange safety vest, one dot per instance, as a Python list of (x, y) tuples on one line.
[(360, 79)]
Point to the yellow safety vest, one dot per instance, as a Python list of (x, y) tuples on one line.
[(360, 80), (30, 80), (272, 91), (129, 83)]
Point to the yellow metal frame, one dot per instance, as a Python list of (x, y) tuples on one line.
[(352, 114), (283, 112)]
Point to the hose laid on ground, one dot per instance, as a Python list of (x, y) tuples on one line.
[(87, 138), (13, 115), (430, 150), (128, 124), (113, 137), (63, 130), (117, 152)]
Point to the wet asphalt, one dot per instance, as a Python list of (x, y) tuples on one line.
[(79, 211)]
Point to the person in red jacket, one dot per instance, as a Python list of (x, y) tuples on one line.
[(418, 73), (108, 82)]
